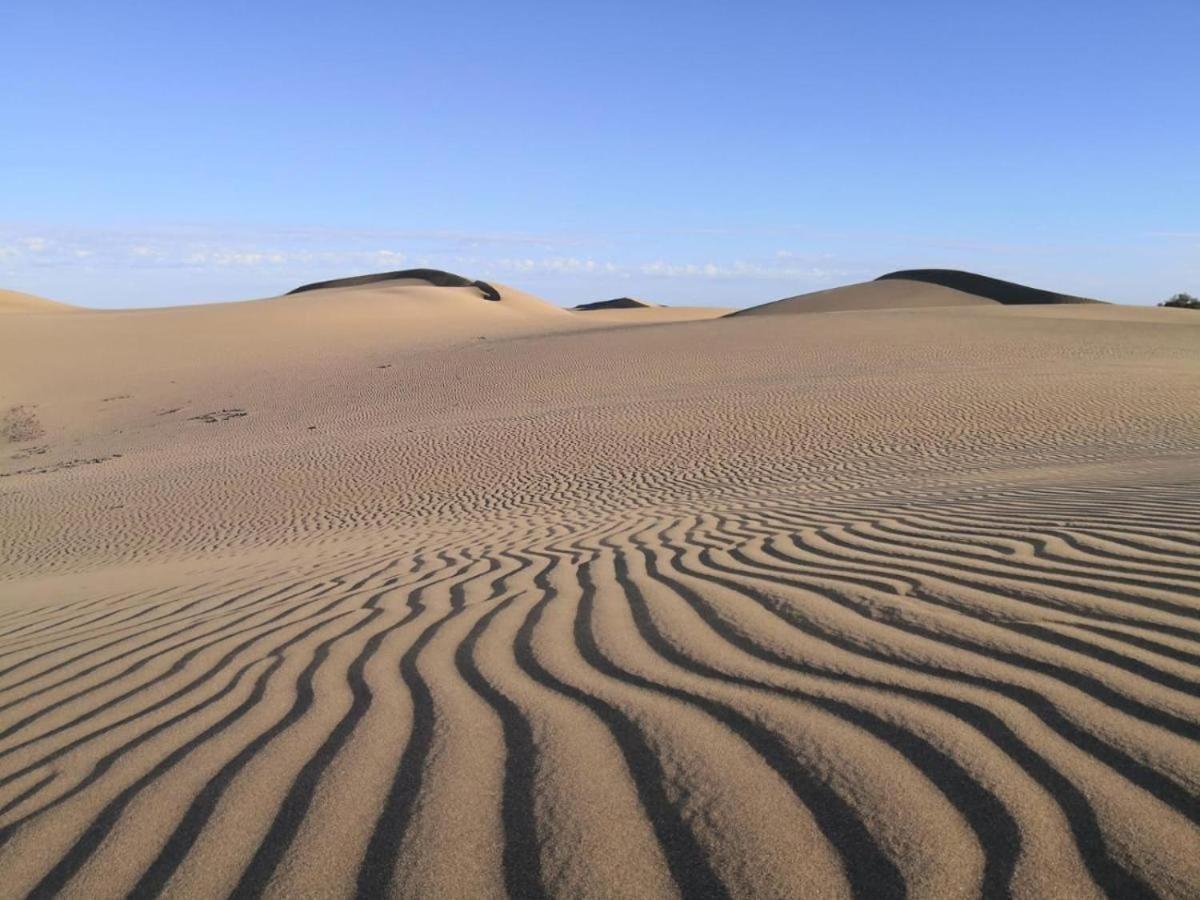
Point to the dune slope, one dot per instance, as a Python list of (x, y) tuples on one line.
[(435, 277), (1006, 292), (17, 302), (868, 296), (615, 303), (915, 289), (294, 603)]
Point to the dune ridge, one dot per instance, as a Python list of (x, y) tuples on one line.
[(18, 302), (615, 303), (915, 289), (436, 277), (867, 296), (855, 605), (1006, 292)]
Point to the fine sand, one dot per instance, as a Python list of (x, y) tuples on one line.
[(396, 590), (871, 295), (17, 302)]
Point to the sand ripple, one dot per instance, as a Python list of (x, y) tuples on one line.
[(730, 627)]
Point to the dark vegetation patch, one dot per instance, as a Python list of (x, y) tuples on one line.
[(1006, 292), (436, 277), (20, 424), (1182, 301)]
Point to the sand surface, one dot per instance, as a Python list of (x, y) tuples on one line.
[(396, 591), (870, 295), (647, 315), (18, 302)]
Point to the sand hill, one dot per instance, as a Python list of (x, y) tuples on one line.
[(1006, 292), (435, 277), (870, 295), (325, 595), (631, 311), (913, 289), (615, 303), (17, 302)]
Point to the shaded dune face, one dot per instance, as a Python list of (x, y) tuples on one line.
[(914, 289), (616, 303), (862, 605), (435, 277), (1006, 292), (875, 296)]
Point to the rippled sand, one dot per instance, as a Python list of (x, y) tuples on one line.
[(397, 591)]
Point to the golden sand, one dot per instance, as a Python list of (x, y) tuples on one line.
[(391, 590)]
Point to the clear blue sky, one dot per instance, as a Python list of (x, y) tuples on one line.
[(156, 153)]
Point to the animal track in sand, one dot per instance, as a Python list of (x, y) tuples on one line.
[(30, 451), (58, 467), (220, 415)]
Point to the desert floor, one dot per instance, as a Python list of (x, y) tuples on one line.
[(398, 591)]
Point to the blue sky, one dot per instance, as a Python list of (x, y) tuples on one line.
[(156, 153)]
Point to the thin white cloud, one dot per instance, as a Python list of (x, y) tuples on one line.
[(109, 264), (741, 269), (555, 264), (270, 253)]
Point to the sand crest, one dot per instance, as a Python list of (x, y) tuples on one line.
[(17, 302)]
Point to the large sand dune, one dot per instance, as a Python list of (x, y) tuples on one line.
[(435, 277), (916, 289), (1008, 293), (869, 296), (18, 302), (389, 589)]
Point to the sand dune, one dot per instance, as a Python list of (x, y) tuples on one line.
[(1006, 292), (630, 311), (870, 295), (435, 277), (650, 315), (17, 302), (915, 289), (324, 595), (615, 303)]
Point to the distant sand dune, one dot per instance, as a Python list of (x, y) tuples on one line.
[(16, 302), (857, 605), (615, 303), (1005, 292), (913, 289), (870, 295), (436, 277)]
